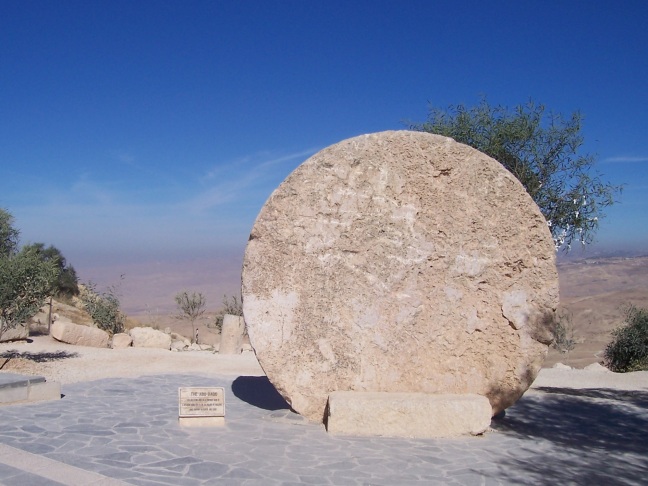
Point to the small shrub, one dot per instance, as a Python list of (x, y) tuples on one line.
[(232, 306), (628, 350), (563, 332), (192, 308), (104, 308)]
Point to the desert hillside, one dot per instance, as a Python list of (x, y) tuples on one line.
[(593, 292)]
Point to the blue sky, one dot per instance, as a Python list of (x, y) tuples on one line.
[(155, 130)]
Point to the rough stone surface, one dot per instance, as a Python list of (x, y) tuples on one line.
[(597, 367), (70, 333), (50, 390), (121, 340), (561, 366), (231, 341), (179, 337), (179, 346), (399, 262), (20, 332), (417, 415), (147, 337)]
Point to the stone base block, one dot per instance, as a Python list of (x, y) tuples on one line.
[(50, 390), (201, 421), (417, 415), (17, 388)]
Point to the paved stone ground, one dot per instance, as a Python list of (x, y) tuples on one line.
[(124, 431)]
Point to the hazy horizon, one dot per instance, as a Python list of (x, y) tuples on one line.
[(148, 287)]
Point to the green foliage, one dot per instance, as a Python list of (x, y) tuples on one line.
[(232, 306), (9, 236), (542, 151), (104, 308), (25, 282), (563, 332), (628, 350), (192, 307), (28, 276), (66, 283)]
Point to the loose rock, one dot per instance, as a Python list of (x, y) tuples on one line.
[(70, 333), (147, 337), (18, 333), (597, 367), (121, 340), (561, 366)]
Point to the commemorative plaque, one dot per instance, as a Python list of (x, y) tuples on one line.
[(201, 405)]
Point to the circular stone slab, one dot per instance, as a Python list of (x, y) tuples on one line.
[(399, 262)]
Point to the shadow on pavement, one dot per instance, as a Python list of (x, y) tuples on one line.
[(41, 357), (592, 436), (258, 392)]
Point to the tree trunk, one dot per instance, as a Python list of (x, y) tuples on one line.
[(49, 317)]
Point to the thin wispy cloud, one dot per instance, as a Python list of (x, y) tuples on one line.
[(243, 177), (256, 161), (221, 193), (84, 190), (626, 159), (299, 155)]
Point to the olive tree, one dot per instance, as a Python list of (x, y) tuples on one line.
[(9, 236), (543, 151), (191, 307), (25, 282), (67, 282)]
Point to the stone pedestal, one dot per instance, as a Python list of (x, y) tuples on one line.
[(232, 335), (201, 421), (417, 415)]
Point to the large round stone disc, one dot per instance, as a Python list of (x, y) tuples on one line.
[(399, 262)]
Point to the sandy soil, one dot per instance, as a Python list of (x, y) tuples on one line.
[(64, 363)]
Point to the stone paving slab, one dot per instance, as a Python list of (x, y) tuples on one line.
[(127, 431), (23, 468)]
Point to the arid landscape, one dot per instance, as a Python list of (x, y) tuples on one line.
[(593, 292)]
